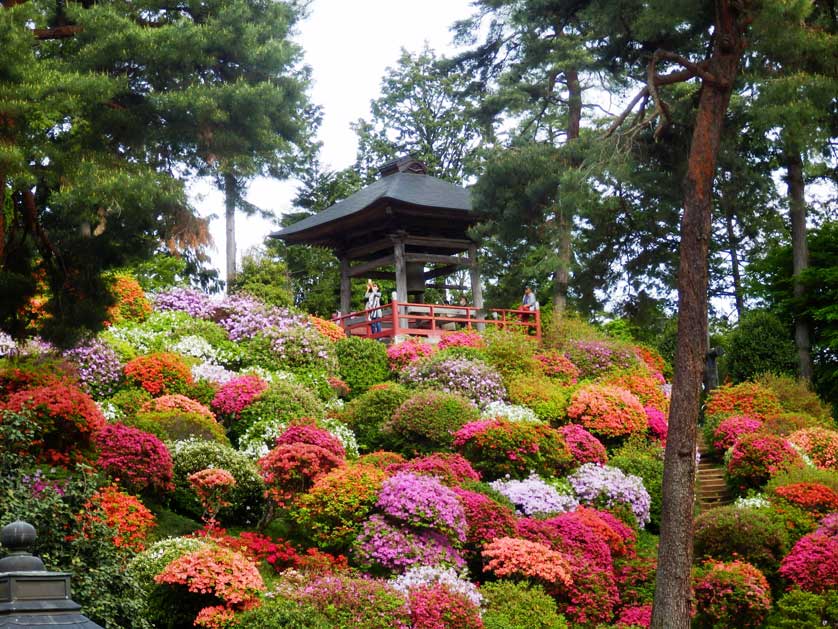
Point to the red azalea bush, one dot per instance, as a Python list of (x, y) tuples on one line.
[(487, 520), (29, 376), (730, 429), (304, 431), (815, 498), (451, 469), (67, 417), (558, 366), (159, 374), (607, 411), (584, 447), (434, 606), (755, 458), (498, 447), (212, 486), (819, 444), (138, 459), (812, 564), (647, 389), (400, 355), (515, 557), (461, 338), (292, 468), (126, 515), (747, 398), (656, 422), (619, 537), (651, 358), (176, 402), (733, 594), (235, 395), (333, 511)]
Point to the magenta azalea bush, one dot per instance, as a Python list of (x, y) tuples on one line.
[(399, 355), (657, 423), (730, 429), (138, 459), (734, 594), (237, 394), (812, 564), (755, 458), (451, 469), (423, 502), (584, 447)]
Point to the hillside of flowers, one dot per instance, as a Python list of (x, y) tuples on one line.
[(223, 463)]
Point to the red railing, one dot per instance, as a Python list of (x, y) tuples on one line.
[(404, 318)]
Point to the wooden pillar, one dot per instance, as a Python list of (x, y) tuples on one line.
[(345, 286), (401, 274), (476, 289)]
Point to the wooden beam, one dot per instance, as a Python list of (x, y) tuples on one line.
[(461, 287), (364, 250), (382, 275), (401, 276), (443, 271), (345, 287), (476, 289), (457, 244), (429, 257), (57, 32), (372, 265)]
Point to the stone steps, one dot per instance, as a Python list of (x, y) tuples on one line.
[(711, 488)]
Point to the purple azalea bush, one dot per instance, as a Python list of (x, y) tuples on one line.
[(188, 300), (98, 366), (245, 317), (423, 502), (473, 379), (533, 496), (8, 347), (604, 486), (593, 358)]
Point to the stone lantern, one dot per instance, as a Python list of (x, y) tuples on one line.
[(29, 595)]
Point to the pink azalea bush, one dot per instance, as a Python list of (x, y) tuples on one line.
[(734, 594), (820, 444), (435, 606), (812, 564), (486, 519), (234, 396), (584, 447), (729, 430), (515, 557), (657, 423), (608, 412), (451, 469), (461, 338), (556, 365), (400, 355), (755, 458), (304, 431), (138, 459)]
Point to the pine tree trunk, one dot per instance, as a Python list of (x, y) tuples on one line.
[(671, 609), (733, 249), (230, 196), (800, 254)]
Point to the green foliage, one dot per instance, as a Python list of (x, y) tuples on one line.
[(367, 414), (511, 353), (645, 460), (264, 277), (178, 426), (759, 344), (363, 363), (547, 398), (804, 610), (281, 403), (511, 605), (426, 422), (281, 613), (246, 498), (130, 400), (795, 395)]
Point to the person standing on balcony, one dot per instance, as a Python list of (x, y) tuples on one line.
[(528, 303), (373, 306)]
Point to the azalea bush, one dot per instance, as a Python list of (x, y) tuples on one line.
[(98, 366), (747, 398), (648, 389), (798, 609), (519, 605), (362, 363), (812, 564), (596, 358), (176, 403), (486, 519), (533, 496), (283, 402), (179, 426), (546, 397), (814, 498), (511, 353), (423, 502), (212, 486), (436, 606), (129, 518), (236, 394), (755, 458), (188, 300), (731, 428), (159, 374), (557, 366), (657, 424), (733, 594), (608, 487), (472, 379), (138, 460), (607, 412), (461, 338), (497, 448), (819, 444), (400, 355), (290, 469), (514, 557), (329, 329), (131, 302), (427, 421), (451, 469), (584, 447), (511, 412), (367, 413)]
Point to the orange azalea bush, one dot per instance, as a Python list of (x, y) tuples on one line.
[(514, 557), (176, 402), (212, 486), (819, 444), (647, 388), (748, 398), (131, 303), (160, 373), (329, 329), (607, 411), (652, 359), (124, 513)]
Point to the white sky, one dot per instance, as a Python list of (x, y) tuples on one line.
[(348, 44)]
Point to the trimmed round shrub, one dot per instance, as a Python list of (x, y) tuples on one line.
[(434, 606), (451, 469), (511, 353), (606, 487), (400, 355), (584, 447), (278, 612), (512, 605), (733, 594), (422, 502), (332, 512), (367, 414), (819, 444), (427, 421), (547, 398), (812, 564), (486, 519), (305, 431), (640, 458), (176, 403), (760, 343), (815, 499), (647, 389), (281, 403), (753, 535), (98, 366), (246, 498), (533, 496), (138, 459), (607, 412), (179, 426), (748, 398), (515, 557), (804, 610), (67, 418), (497, 448), (596, 358), (731, 428), (472, 379), (159, 374), (784, 424), (381, 459), (755, 458), (290, 469), (146, 565), (556, 365), (128, 518), (235, 395), (130, 401), (361, 363)]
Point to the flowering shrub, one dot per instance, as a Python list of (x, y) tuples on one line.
[(332, 511), (159, 374), (451, 469), (212, 486), (820, 444), (631, 617), (300, 347), (235, 395), (176, 403), (497, 448), (210, 373), (755, 458), (427, 421), (509, 412), (424, 503), (584, 447), (657, 424), (594, 358), (730, 429), (437, 607), (394, 548), (486, 519), (402, 354), (532, 496), (422, 576), (556, 365), (607, 487), (651, 358), (812, 564), (98, 366), (814, 498), (68, 420), (138, 459), (616, 534), (784, 424), (472, 379), (546, 397), (329, 329), (131, 303), (510, 556), (647, 389), (227, 575), (733, 594), (748, 398), (291, 469), (461, 338), (281, 403), (146, 565), (188, 300), (245, 317), (8, 346), (305, 431), (128, 517), (607, 411)]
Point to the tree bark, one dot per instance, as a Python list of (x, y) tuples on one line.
[(733, 249), (230, 198), (800, 255), (671, 609)]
